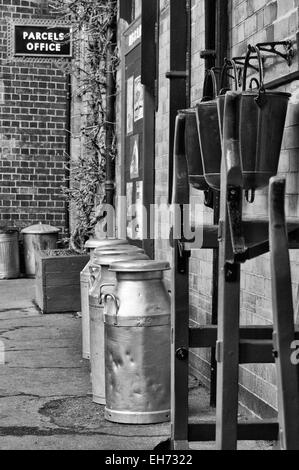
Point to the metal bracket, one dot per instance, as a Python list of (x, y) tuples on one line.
[(177, 74), (235, 219), (219, 352), (182, 354), (183, 258), (241, 60), (231, 272), (271, 47), (208, 54)]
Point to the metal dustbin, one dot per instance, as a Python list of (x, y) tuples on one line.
[(87, 276), (9, 253), (137, 344), (104, 283), (38, 237)]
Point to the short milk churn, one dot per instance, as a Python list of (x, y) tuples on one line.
[(137, 344), (104, 283), (86, 276)]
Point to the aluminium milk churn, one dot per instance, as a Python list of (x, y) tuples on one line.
[(87, 276), (137, 344), (104, 283)]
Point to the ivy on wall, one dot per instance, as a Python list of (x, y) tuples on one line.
[(93, 23)]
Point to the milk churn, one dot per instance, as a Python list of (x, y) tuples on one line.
[(86, 276), (262, 115), (104, 283), (9, 253), (209, 134), (137, 344), (38, 237)]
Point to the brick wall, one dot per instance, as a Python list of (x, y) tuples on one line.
[(251, 21), (33, 109), (254, 21)]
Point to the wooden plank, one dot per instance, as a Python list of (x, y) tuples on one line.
[(256, 352), (283, 319), (178, 95), (71, 279), (248, 431), (229, 293), (206, 336), (180, 300), (65, 264), (63, 299)]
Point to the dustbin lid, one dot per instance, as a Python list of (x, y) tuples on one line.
[(40, 229), (139, 266), (105, 242)]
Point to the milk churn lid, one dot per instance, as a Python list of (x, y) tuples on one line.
[(105, 258), (105, 242), (40, 228), (139, 266), (4, 229)]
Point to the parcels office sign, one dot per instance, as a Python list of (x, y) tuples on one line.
[(42, 41)]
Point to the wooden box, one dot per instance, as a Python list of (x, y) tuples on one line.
[(58, 280)]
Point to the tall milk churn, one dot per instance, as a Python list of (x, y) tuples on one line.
[(137, 344), (104, 283), (86, 276)]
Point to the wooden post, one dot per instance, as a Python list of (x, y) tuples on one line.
[(283, 321), (227, 349)]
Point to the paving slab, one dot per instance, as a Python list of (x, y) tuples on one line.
[(45, 386)]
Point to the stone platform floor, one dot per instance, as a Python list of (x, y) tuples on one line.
[(45, 389)]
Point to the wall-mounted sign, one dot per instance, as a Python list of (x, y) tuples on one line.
[(138, 99), (134, 165), (42, 41), (130, 104)]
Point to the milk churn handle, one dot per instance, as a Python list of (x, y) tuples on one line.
[(115, 301), (92, 276), (261, 98), (210, 75), (100, 296), (252, 49), (228, 64)]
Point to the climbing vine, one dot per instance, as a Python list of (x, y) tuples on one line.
[(93, 30)]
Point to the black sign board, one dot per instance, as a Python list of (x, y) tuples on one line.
[(42, 41)]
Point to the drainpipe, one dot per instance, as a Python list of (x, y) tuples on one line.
[(68, 152), (110, 115)]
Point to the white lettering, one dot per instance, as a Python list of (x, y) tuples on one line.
[(135, 35), (25, 34), (29, 46), (295, 354)]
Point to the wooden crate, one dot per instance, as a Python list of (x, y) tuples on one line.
[(58, 280)]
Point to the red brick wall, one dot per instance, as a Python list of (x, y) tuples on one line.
[(33, 106)]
